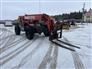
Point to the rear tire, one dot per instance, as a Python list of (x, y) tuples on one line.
[(46, 31), (29, 33), (17, 30)]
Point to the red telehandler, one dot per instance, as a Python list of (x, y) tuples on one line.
[(37, 23)]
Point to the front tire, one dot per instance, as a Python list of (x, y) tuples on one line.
[(53, 35), (29, 33), (17, 30)]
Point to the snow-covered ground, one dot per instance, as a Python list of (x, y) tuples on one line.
[(17, 52)]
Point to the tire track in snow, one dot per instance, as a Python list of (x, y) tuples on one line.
[(1, 32), (14, 40), (5, 29), (53, 63), (5, 33), (46, 59), (1, 40), (29, 56), (3, 43), (15, 52), (77, 61), (10, 45), (7, 36), (11, 39), (7, 42)]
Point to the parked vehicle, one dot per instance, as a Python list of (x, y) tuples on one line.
[(36, 23)]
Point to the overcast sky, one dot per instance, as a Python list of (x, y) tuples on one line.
[(11, 9), (46, 0)]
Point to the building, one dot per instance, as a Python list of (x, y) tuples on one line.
[(88, 16)]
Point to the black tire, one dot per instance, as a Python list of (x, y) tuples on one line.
[(29, 33), (17, 30), (50, 37), (46, 31), (54, 35)]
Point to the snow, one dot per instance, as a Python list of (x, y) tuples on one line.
[(1, 32), (65, 59), (17, 52), (83, 38)]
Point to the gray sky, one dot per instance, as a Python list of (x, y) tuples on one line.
[(11, 9), (46, 0)]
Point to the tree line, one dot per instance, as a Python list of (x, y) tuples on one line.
[(72, 15)]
